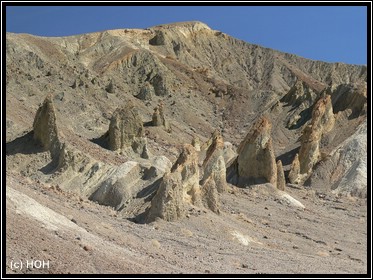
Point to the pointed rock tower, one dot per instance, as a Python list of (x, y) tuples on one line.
[(178, 188), (126, 131), (256, 162), (45, 127), (159, 119), (309, 154), (214, 165)]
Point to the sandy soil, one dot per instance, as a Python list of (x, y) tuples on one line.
[(254, 233)]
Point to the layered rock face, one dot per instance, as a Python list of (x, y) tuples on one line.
[(309, 154), (122, 183), (301, 97), (45, 127), (345, 170), (126, 131), (178, 189)]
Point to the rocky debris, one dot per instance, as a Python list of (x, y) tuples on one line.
[(287, 199), (345, 169), (126, 131), (45, 127), (109, 185), (146, 92), (309, 154), (140, 147), (255, 162), (77, 83), (281, 183), (104, 183), (214, 165), (178, 189), (158, 118)]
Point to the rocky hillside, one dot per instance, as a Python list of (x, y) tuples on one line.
[(164, 122)]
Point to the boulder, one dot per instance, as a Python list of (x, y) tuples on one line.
[(160, 84), (116, 189), (110, 88)]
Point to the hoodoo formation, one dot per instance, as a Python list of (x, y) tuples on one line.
[(98, 167)]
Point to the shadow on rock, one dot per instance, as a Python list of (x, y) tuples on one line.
[(102, 141), (24, 145)]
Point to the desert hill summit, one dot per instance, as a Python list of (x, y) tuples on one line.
[(175, 126)]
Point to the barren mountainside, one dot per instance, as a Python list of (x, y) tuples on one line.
[(180, 149)]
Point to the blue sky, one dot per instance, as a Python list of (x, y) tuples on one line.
[(327, 33)]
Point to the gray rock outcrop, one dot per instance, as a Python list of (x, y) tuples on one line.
[(345, 169), (146, 92), (351, 98), (301, 97)]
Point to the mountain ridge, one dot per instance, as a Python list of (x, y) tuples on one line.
[(149, 124)]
